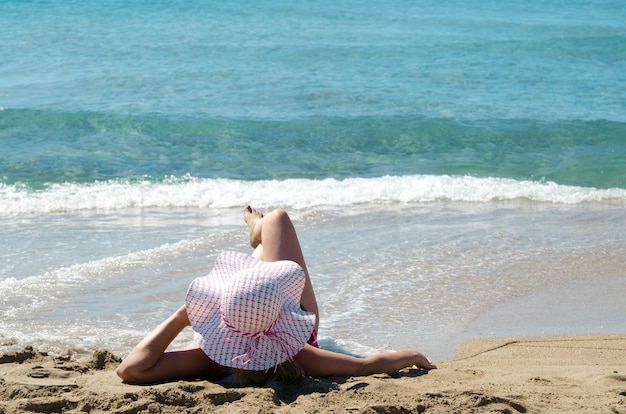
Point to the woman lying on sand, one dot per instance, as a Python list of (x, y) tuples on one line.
[(255, 317)]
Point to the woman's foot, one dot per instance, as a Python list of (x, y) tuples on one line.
[(252, 216)]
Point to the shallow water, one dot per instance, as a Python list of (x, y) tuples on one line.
[(386, 277)]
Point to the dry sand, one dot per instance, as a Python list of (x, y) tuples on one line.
[(582, 374)]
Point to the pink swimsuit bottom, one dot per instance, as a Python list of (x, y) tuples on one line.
[(313, 339)]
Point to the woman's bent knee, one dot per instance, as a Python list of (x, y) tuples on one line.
[(278, 215)]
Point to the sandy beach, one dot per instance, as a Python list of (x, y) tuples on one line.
[(582, 374)]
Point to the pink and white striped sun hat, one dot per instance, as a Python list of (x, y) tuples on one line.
[(246, 313)]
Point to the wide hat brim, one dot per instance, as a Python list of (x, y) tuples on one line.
[(231, 348)]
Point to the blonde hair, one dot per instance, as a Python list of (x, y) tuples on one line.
[(288, 372)]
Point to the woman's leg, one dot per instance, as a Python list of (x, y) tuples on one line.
[(277, 240)]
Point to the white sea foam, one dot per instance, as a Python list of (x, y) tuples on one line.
[(189, 192)]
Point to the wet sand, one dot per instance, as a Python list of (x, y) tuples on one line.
[(583, 374)]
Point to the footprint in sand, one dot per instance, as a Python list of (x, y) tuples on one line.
[(38, 372)]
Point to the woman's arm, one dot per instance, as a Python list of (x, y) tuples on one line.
[(149, 363), (322, 363)]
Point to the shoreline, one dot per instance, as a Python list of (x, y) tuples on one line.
[(584, 373)]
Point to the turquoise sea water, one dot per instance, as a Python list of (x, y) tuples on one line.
[(457, 150)]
